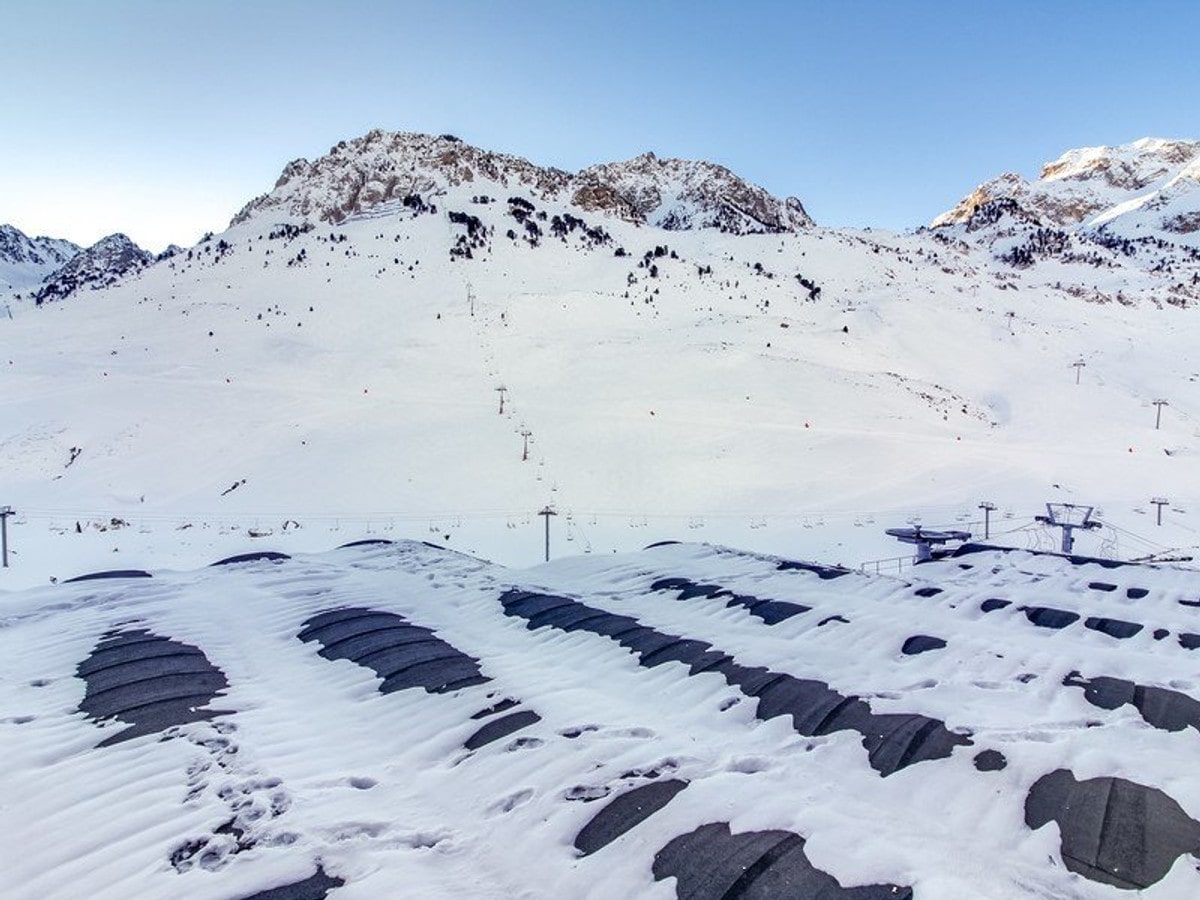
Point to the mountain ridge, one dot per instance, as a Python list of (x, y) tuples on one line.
[(25, 260), (362, 173)]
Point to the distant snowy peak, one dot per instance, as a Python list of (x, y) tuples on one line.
[(381, 167), (103, 264), (25, 261), (1149, 188)]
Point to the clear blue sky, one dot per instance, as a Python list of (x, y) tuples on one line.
[(161, 118)]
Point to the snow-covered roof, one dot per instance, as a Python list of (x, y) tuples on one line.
[(686, 721)]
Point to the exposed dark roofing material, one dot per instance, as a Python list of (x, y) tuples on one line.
[(823, 572), (495, 708), (367, 542), (1113, 831), (149, 682), (972, 547), (829, 619), (1136, 593), (112, 574), (1117, 628), (770, 611), (712, 863), (1189, 641), (502, 727), (921, 643), (1163, 708), (315, 887), (928, 591), (1104, 586), (272, 555), (1048, 617), (625, 812), (990, 761), (893, 740), (402, 654)]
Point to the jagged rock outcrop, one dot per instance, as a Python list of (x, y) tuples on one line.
[(25, 261), (366, 174), (678, 194), (99, 266)]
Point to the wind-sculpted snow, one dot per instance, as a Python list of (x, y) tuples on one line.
[(372, 717)]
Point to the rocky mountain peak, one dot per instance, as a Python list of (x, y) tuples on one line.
[(382, 167), (1146, 189), (99, 266), (25, 261)]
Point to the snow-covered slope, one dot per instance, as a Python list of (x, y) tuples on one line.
[(683, 722), (26, 261), (1146, 191), (792, 392), (384, 168)]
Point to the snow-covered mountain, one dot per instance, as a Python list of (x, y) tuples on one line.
[(101, 265), (333, 362), (26, 261), (1140, 199), (384, 168)]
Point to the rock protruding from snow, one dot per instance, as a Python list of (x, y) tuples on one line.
[(387, 167), (25, 261), (678, 195), (99, 266), (1148, 188)]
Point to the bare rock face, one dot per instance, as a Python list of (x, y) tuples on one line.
[(381, 167), (103, 264), (678, 195)]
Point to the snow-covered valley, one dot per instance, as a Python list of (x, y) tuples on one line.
[(299, 382)]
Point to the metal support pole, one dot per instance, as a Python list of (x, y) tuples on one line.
[(1160, 502), (546, 513), (1158, 414), (1068, 541), (5, 512), (987, 508)]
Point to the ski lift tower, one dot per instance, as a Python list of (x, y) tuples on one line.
[(1068, 517), (926, 541)]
